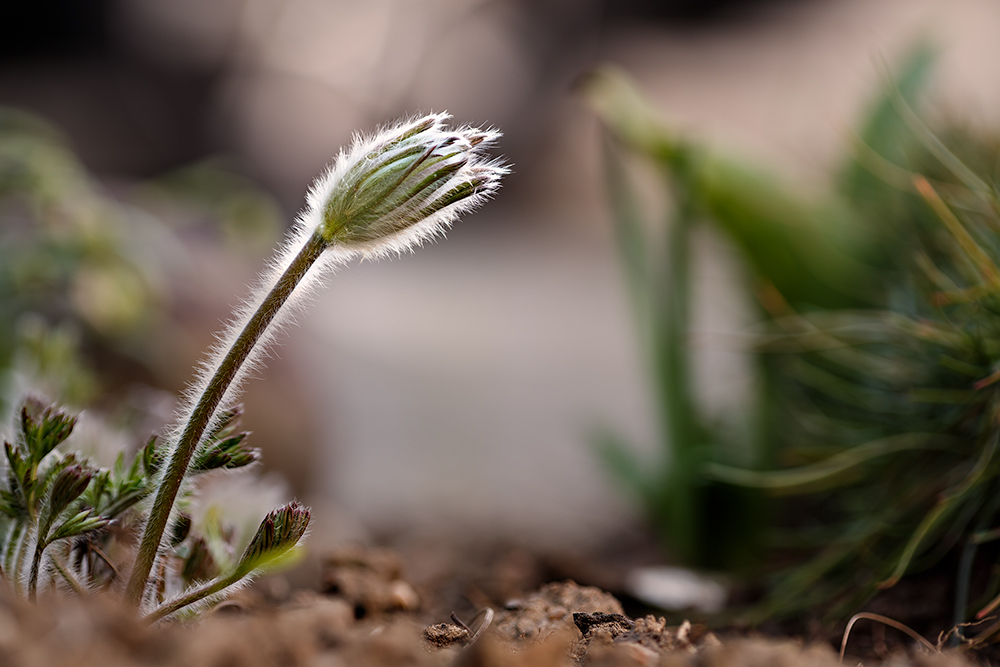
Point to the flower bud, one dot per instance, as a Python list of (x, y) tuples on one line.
[(279, 533), (69, 485), (228, 454), (403, 185), (43, 428)]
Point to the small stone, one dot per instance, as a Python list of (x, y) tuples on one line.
[(616, 624), (402, 596), (444, 635)]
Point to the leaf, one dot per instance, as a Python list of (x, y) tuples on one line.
[(228, 454), (82, 522), (124, 500), (813, 253), (825, 474), (945, 505), (884, 132)]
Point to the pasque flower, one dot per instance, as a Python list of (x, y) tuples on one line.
[(385, 193), (403, 185)]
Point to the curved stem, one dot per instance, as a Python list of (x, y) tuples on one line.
[(204, 410), (16, 577), (199, 593), (35, 564), (13, 540), (41, 542), (73, 582)]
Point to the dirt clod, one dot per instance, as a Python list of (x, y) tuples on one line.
[(551, 610), (445, 635), (616, 624)]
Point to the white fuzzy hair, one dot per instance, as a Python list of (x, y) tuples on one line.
[(308, 222)]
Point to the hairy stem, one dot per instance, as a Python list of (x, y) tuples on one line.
[(22, 548), (35, 563), (205, 408), (68, 577), (41, 542), (194, 595), (13, 539)]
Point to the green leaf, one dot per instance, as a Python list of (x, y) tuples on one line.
[(884, 131), (123, 500), (813, 252), (828, 472), (82, 522), (228, 454)]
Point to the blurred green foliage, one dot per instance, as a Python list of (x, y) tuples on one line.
[(879, 353), (86, 275), (58, 503)]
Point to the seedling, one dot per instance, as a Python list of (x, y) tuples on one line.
[(387, 193)]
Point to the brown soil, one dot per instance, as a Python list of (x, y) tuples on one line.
[(366, 612)]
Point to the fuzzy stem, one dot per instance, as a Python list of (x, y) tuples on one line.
[(22, 548), (204, 410), (35, 564), (9, 564), (40, 544), (73, 582), (199, 593)]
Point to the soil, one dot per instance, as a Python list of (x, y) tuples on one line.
[(476, 606)]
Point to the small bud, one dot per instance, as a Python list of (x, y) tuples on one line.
[(404, 185), (43, 428), (278, 534), (230, 454), (69, 485), (82, 522)]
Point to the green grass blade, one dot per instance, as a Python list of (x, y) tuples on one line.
[(825, 474)]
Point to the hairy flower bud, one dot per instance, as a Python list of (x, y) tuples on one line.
[(403, 185), (43, 428), (228, 454), (68, 486), (279, 533), (385, 193)]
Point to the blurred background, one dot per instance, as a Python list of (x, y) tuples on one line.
[(454, 389)]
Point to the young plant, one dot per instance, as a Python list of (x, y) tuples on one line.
[(40, 497), (61, 515), (387, 193)]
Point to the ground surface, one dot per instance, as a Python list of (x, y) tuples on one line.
[(365, 611)]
